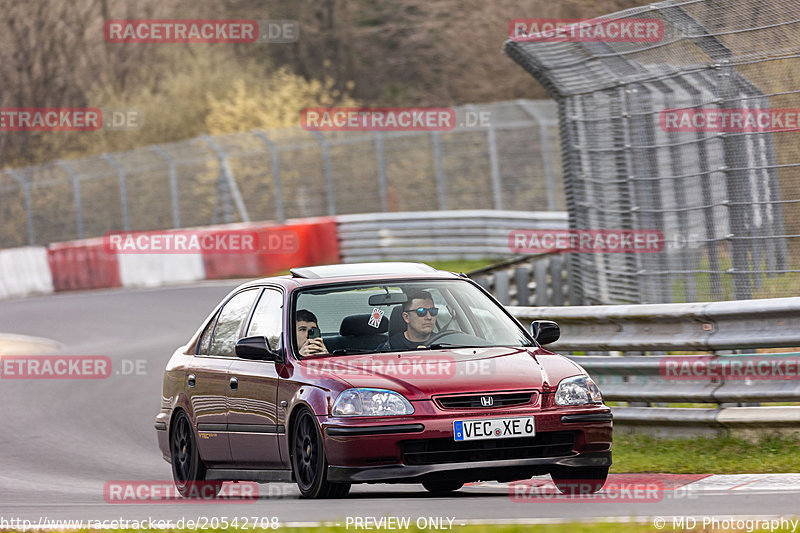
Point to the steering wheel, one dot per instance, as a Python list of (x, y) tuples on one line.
[(441, 334)]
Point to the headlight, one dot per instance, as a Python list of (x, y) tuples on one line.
[(578, 390), (371, 402)]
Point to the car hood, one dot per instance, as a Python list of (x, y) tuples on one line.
[(423, 374)]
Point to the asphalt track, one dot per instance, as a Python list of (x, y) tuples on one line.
[(63, 440)]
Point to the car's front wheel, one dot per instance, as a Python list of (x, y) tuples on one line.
[(442, 486), (308, 460), (188, 470), (579, 481)]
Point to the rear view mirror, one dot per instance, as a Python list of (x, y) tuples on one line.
[(389, 298), (256, 349), (545, 331)]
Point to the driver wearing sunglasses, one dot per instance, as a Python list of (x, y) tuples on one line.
[(419, 315)]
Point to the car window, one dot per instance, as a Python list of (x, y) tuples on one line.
[(267, 318), (205, 338), (230, 322), (465, 316)]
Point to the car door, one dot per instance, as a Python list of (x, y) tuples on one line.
[(208, 381), (254, 419)]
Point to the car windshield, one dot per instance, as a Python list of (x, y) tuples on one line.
[(403, 316)]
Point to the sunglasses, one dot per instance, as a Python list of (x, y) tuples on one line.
[(422, 311)]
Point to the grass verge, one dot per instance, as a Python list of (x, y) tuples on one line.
[(704, 455)]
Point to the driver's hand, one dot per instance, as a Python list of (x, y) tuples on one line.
[(313, 347)]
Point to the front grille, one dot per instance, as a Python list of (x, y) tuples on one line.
[(438, 451), (473, 401)]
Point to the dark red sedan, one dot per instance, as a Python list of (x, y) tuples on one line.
[(376, 373)]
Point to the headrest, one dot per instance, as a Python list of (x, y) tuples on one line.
[(396, 322), (358, 325)]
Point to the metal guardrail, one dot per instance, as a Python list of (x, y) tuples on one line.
[(704, 326), (539, 280), (643, 382), (436, 235)]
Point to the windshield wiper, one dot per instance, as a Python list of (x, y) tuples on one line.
[(350, 351), (440, 345)]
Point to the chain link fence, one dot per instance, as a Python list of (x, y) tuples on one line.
[(500, 156), (725, 198)]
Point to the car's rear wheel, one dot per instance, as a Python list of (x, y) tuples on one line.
[(188, 470), (579, 481), (309, 462), (442, 486)]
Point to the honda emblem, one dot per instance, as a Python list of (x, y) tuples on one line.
[(487, 401)]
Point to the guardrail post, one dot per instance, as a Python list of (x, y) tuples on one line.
[(540, 279), (276, 174), (76, 194), (227, 178), (501, 287), (556, 274), (522, 276), (123, 190), (26, 195), (327, 171), (173, 185)]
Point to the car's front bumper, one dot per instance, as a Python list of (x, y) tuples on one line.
[(422, 446), (488, 470)]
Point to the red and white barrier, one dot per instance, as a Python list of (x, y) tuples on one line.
[(155, 270), (24, 272), (83, 264), (96, 264)]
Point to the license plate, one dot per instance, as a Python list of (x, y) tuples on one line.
[(493, 428)]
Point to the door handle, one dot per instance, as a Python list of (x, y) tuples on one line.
[(234, 383), (190, 381)]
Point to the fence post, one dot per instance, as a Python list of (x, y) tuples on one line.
[(438, 167), (173, 185), (494, 168), (123, 190), (546, 149), (276, 174), (26, 192), (382, 183), (227, 176), (736, 182), (327, 171), (76, 193)]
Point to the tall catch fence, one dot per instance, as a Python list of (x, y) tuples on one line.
[(499, 156), (724, 196)]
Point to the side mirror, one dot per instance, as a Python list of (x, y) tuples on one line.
[(256, 349), (545, 331)]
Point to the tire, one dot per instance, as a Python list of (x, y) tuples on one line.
[(188, 470), (442, 486), (309, 464), (580, 481)]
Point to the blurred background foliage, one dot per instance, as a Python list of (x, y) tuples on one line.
[(350, 52)]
